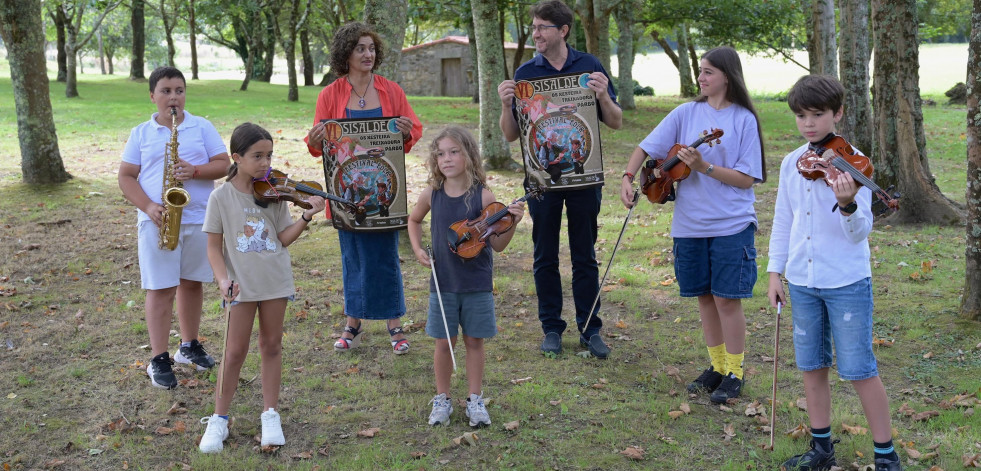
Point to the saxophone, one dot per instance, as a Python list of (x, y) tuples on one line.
[(174, 196)]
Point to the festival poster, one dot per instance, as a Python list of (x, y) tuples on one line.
[(559, 126), (364, 163)]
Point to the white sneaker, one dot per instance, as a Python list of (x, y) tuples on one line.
[(272, 429), (442, 408), (216, 433), (477, 412)]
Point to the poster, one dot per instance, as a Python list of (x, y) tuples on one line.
[(559, 131), (364, 163)]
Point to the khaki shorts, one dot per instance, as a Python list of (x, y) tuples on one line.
[(161, 269)]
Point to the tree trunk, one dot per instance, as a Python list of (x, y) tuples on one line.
[(389, 19), (102, 51), (971, 299), (624, 16), (139, 42), (695, 62), (474, 63), (813, 55), (823, 37), (193, 29), (688, 88), (253, 45), (269, 45), (854, 55), (595, 18), (59, 22), (109, 61), (523, 32), (169, 23), (492, 145), (289, 48), (902, 159), (71, 55), (23, 36), (307, 57)]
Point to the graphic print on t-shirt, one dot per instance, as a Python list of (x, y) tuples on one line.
[(255, 235)]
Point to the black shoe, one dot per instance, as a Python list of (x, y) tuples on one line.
[(886, 464), (552, 343), (596, 346), (815, 459), (160, 372), (195, 354), (730, 388), (708, 381)]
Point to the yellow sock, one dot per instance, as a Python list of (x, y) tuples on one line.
[(718, 356), (734, 364)]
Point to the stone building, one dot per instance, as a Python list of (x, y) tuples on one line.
[(444, 68)]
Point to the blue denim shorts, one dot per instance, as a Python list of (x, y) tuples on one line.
[(843, 314), (723, 266), (473, 311)]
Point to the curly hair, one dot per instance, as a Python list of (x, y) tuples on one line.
[(471, 153), (346, 39)]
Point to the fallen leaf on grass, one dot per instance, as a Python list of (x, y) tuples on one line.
[(685, 408), (352, 370), (303, 455), (512, 426), (971, 461), (798, 432), (521, 380), (755, 408), (883, 342), (324, 450), (177, 408), (633, 452), (53, 463), (180, 427), (621, 324), (725, 408), (906, 410), (468, 438), (369, 433), (555, 403), (927, 355), (801, 403), (854, 430), (672, 371), (923, 416), (417, 455), (269, 450), (935, 468), (730, 431), (674, 414), (163, 430)]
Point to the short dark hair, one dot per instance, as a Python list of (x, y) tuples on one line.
[(243, 137), (346, 39), (816, 92), (165, 72), (555, 12)]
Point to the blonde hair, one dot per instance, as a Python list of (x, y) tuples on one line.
[(468, 145)]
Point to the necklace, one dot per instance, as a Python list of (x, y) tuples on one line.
[(361, 96)]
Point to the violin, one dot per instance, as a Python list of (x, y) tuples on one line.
[(468, 237), (659, 186), (277, 186), (833, 156)]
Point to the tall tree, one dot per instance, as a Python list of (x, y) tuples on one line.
[(295, 21), (901, 159), (822, 50), (192, 27), (74, 11), (971, 299), (23, 36), (853, 56), (624, 15), (137, 21), (595, 18), (170, 12), (306, 56), (685, 58), (58, 18), (388, 18), (491, 68), (268, 43)]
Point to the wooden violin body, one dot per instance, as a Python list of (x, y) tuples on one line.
[(658, 175), (468, 237), (829, 159), (277, 186)]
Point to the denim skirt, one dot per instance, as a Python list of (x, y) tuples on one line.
[(372, 275)]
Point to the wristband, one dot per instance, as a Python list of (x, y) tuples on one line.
[(196, 171), (305, 219), (628, 175)]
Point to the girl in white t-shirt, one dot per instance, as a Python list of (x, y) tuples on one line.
[(247, 242), (714, 221)]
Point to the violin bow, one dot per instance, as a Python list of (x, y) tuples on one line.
[(599, 290), (776, 359), (228, 311), (432, 266)]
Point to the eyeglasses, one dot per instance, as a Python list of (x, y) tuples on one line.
[(542, 28)]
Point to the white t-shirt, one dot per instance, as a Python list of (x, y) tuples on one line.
[(254, 257), (706, 207), (146, 147), (811, 245)]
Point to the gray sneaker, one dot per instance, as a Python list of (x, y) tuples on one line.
[(442, 408), (477, 412)]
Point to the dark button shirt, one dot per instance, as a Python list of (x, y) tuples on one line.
[(575, 61)]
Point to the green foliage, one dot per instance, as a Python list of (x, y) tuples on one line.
[(944, 20)]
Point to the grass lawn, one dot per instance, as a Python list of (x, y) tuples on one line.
[(75, 393)]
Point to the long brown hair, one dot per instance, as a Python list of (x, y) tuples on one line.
[(471, 152), (726, 60)]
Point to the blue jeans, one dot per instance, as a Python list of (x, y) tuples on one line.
[(582, 207), (844, 314)]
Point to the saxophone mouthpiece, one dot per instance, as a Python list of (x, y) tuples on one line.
[(173, 110)]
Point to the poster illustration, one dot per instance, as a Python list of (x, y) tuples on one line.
[(364, 163), (559, 132)]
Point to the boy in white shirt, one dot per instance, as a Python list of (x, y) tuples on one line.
[(820, 244)]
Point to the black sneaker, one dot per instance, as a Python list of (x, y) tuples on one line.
[(596, 346), (730, 387), (160, 372), (552, 343), (815, 459), (708, 381), (195, 354), (886, 464)]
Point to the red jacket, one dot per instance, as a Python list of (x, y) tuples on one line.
[(334, 97)]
